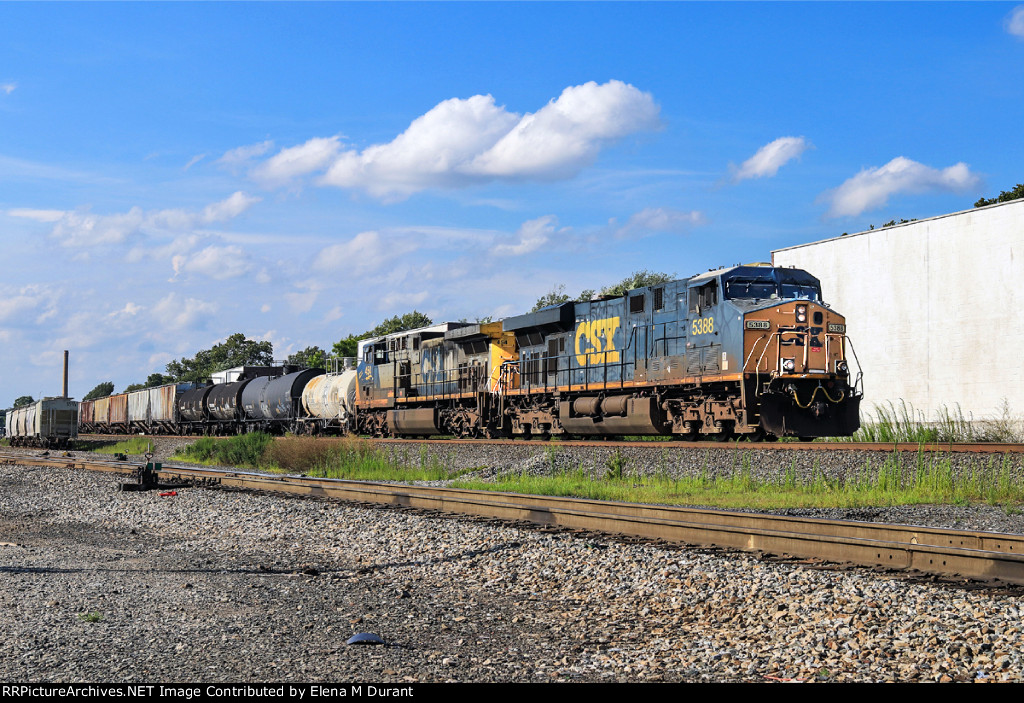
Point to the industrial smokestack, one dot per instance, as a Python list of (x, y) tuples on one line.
[(65, 389)]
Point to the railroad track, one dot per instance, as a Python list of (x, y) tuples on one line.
[(954, 447), (980, 556)]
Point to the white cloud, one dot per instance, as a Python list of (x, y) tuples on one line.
[(1015, 22), (659, 219), (83, 228), (7, 88), (461, 142), (297, 161), (771, 157), (532, 235), (193, 161), (229, 208), (301, 302), (265, 307), (872, 187), (129, 310), (243, 155), (397, 299), (17, 305), (171, 312), (219, 263), (32, 307), (335, 313), (37, 215), (566, 134), (364, 253)]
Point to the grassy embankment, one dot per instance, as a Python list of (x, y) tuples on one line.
[(130, 446), (930, 478)]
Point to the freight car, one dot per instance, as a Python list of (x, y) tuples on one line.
[(150, 411), (265, 398), (749, 351), (50, 422)]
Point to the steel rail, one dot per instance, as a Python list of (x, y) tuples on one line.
[(972, 555), (930, 447)]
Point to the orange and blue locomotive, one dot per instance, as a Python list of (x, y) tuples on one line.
[(748, 351)]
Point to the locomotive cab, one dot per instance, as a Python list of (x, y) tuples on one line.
[(796, 376)]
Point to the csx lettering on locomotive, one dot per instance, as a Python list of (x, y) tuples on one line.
[(595, 341)]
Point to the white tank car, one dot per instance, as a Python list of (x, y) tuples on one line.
[(329, 401)]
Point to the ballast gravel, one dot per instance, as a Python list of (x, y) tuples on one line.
[(218, 586)]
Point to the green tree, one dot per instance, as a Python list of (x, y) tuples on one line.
[(310, 358), (637, 279), (1004, 196), (24, 400), (555, 296), (408, 321), (153, 380), (236, 350), (102, 390), (349, 346), (157, 379)]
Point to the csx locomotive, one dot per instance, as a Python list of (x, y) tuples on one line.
[(747, 351)]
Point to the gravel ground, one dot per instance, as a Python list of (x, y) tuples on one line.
[(227, 586)]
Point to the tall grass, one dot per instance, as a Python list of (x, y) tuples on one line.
[(890, 423), (132, 445), (347, 457), (930, 478), (243, 450), (893, 479)]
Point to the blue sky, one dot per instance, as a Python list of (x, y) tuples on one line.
[(173, 173)]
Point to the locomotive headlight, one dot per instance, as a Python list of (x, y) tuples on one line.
[(788, 365), (801, 313), (841, 367)]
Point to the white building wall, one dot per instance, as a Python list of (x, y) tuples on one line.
[(934, 308)]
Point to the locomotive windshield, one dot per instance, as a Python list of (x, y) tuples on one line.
[(770, 284)]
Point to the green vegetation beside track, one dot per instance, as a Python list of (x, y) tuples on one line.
[(888, 479)]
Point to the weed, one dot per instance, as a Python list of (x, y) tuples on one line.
[(551, 457), (890, 423), (132, 445), (243, 450), (613, 466), (93, 616)]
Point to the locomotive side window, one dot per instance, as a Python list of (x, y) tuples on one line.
[(751, 288), (704, 297)]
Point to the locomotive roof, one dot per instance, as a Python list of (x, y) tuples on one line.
[(439, 328), (787, 274)]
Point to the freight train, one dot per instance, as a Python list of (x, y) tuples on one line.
[(747, 351), (50, 422)]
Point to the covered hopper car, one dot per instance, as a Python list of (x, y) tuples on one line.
[(50, 422)]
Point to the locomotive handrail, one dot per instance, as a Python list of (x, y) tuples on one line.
[(859, 381)]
